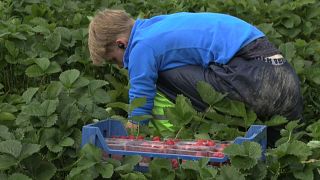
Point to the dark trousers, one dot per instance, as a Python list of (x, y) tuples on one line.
[(266, 88)]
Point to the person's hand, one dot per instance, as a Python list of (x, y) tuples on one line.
[(131, 125)]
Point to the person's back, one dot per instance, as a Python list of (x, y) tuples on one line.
[(191, 38)]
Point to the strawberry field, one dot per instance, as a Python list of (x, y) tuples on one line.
[(49, 90)]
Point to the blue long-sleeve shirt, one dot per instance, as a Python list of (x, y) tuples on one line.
[(169, 41)]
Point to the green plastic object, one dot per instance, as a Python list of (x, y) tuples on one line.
[(160, 122)]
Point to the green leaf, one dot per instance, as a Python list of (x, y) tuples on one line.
[(67, 142), (276, 121), (288, 49), (120, 105), (43, 63), (28, 94), (68, 77), (137, 102), (7, 161), (34, 71), (245, 155), (80, 82), (49, 106), (69, 116), (45, 170), (208, 172), (101, 96), (53, 68), (182, 113), (133, 176), (159, 167), (230, 173), (19, 176), (12, 147), (313, 144), (53, 90), (208, 94), (106, 170), (231, 107), (305, 174), (53, 41), (11, 47), (28, 150), (96, 84), (133, 160), (5, 134), (295, 148)]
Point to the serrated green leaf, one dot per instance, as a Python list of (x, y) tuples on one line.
[(208, 94), (28, 94), (305, 174), (231, 107), (50, 120), (7, 161), (67, 142), (208, 173), (19, 176), (133, 176), (135, 159), (106, 170), (53, 41), (34, 71), (245, 155), (12, 49), (314, 144), (49, 106), (28, 150), (182, 113), (69, 116), (43, 63), (68, 77), (101, 96), (295, 148), (54, 67), (45, 170), (96, 84), (53, 90), (230, 173), (5, 134), (120, 105), (276, 121), (12, 147), (80, 82), (288, 49)]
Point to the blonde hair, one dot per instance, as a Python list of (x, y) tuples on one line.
[(104, 29)]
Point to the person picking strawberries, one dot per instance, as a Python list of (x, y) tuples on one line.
[(172, 53)]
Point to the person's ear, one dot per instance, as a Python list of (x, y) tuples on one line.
[(122, 43)]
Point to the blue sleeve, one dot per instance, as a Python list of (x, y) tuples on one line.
[(143, 74)]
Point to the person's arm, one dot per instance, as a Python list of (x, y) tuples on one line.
[(143, 74)]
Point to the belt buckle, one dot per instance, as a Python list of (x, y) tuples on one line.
[(275, 59)]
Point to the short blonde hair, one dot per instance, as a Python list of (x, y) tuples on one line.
[(104, 30)]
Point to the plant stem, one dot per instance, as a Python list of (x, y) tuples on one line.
[(178, 132)]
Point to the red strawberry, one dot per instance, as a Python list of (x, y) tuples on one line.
[(174, 163), (211, 143), (131, 137), (169, 142), (140, 137), (156, 138)]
